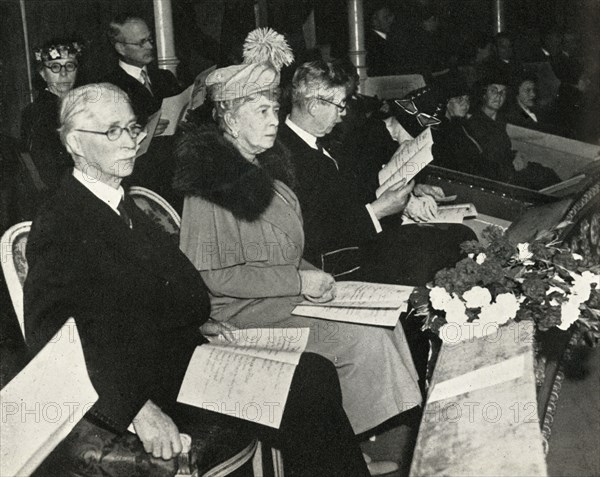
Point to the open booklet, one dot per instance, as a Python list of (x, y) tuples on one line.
[(410, 159), (43, 403), (449, 214), (248, 377), (375, 304)]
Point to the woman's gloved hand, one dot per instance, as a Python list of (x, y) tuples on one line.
[(317, 286), (421, 209)]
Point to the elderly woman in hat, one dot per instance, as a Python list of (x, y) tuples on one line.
[(57, 63), (242, 228)]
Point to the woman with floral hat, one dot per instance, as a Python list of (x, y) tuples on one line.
[(243, 229), (56, 63)]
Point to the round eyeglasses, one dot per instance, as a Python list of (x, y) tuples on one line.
[(69, 67), (141, 43), (341, 107), (115, 132)]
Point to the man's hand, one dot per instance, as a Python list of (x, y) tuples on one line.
[(519, 162), (157, 431), (421, 209), (317, 285), (393, 200), (421, 190), (161, 127)]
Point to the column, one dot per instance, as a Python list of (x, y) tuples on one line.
[(165, 40), (499, 16), (357, 51)]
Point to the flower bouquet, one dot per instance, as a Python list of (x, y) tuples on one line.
[(499, 283)]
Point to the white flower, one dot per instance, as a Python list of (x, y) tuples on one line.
[(569, 314), (582, 286), (505, 308), (524, 255), (477, 297), (439, 298), (455, 311), (508, 304), (54, 53), (471, 255), (481, 258), (576, 256)]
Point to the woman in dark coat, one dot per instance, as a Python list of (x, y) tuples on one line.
[(56, 62)]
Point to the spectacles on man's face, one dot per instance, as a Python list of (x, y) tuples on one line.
[(115, 132), (141, 43), (341, 107), (56, 68)]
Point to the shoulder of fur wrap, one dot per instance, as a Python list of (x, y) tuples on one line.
[(210, 167)]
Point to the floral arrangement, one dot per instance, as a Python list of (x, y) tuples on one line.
[(498, 281)]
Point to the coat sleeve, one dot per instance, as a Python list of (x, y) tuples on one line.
[(251, 281), (53, 292)]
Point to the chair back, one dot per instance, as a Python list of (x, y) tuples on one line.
[(158, 209), (14, 265)]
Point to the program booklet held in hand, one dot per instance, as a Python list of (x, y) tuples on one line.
[(364, 303), (248, 377), (410, 159)]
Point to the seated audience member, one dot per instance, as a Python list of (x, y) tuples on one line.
[(502, 60), (487, 127), (381, 19), (138, 304), (242, 229), (482, 47), (56, 62), (335, 214), (146, 86), (576, 108), (420, 48), (453, 146), (521, 108)]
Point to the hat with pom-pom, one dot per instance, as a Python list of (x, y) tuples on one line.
[(265, 53)]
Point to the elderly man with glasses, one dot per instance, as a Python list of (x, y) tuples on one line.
[(138, 303)]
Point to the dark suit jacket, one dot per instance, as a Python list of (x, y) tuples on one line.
[(164, 84), (378, 62), (334, 214), (137, 301)]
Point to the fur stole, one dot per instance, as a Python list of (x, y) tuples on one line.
[(211, 167)]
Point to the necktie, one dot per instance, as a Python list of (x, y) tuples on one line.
[(325, 152), (124, 214), (146, 81)]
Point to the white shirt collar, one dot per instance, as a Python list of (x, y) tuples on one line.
[(133, 71), (105, 193), (309, 139), (381, 34)]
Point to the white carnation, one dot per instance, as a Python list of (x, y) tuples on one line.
[(477, 297), (481, 258), (439, 298)]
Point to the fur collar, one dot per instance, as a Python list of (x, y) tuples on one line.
[(211, 167)]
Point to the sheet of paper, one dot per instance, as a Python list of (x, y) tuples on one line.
[(279, 344), (410, 158), (367, 295), (361, 316), (485, 377), (455, 213), (42, 404), (150, 128), (174, 108), (448, 214), (236, 382)]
